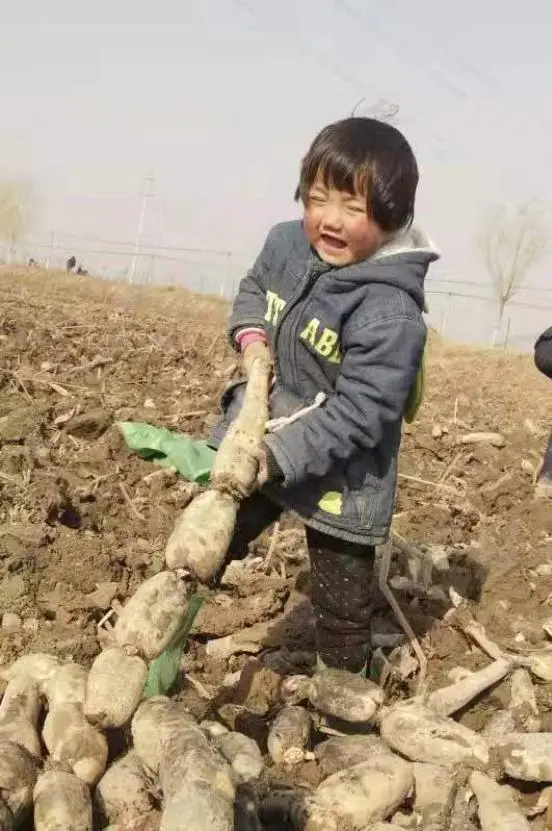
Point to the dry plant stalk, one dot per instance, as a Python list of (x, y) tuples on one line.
[(495, 439), (203, 532)]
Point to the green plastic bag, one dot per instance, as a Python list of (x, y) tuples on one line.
[(164, 670), (192, 458)]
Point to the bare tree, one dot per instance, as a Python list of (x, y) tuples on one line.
[(16, 211), (512, 242)]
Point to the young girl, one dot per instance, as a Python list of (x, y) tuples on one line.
[(338, 299), (543, 362)]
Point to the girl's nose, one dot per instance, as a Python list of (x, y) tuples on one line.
[(332, 217)]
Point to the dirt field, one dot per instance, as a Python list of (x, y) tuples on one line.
[(84, 520)]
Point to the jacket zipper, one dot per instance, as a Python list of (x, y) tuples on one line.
[(306, 284)]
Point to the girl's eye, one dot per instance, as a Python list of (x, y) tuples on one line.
[(357, 209), (316, 199)]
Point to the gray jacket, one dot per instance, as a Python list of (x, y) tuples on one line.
[(355, 333)]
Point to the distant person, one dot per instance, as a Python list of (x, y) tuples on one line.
[(337, 298), (71, 263), (32, 261), (543, 362)]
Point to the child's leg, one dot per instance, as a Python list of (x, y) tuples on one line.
[(544, 480), (543, 355), (341, 582), (543, 362), (254, 516), (546, 470)]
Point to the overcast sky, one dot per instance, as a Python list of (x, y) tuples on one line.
[(219, 100)]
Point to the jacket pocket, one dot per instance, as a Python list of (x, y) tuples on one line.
[(363, 489), (351, 494)]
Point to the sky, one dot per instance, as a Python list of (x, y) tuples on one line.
[(219, 100)]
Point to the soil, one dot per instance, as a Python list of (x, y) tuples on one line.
[(83, 520)]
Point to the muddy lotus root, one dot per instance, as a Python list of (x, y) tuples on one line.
[(19, 714), (61, 800), (151, 617), (124, 793), (114, 687), (367, 792), (18, 773), (202, 535), (422, 735), (289, 735), (345, 696)]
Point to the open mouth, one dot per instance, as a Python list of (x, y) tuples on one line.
[(331, 242)]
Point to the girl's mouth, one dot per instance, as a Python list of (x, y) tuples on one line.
[(330, 241)]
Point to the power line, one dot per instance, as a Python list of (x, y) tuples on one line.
[(114, 252), (239, 258), (430, 280), (346, 77), (130, 244), (321, 57), (424, 58), (516, 303), (482, 78), (163, 252), (429, 283)]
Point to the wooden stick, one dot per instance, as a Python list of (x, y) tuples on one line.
[(387, 592)]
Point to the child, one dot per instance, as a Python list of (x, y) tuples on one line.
[(338, 299), (543, 362)]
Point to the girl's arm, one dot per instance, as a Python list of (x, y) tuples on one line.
[(247, 320)]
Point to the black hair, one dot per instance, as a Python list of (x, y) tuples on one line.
[(364, 155)]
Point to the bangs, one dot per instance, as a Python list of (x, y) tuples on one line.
[(367, 158), (336, 169)]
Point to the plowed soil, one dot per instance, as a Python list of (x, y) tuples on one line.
[(83, 520)]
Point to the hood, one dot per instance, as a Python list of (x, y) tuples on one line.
[(403, 262), (413, 241)]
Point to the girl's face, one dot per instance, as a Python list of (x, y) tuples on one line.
[(338, 226)]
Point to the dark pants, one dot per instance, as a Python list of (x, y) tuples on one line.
[(546, 469), (543, 354), (543, 362), (341, 580)]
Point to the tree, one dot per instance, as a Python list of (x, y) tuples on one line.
[(512, 242), (16, 210)]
